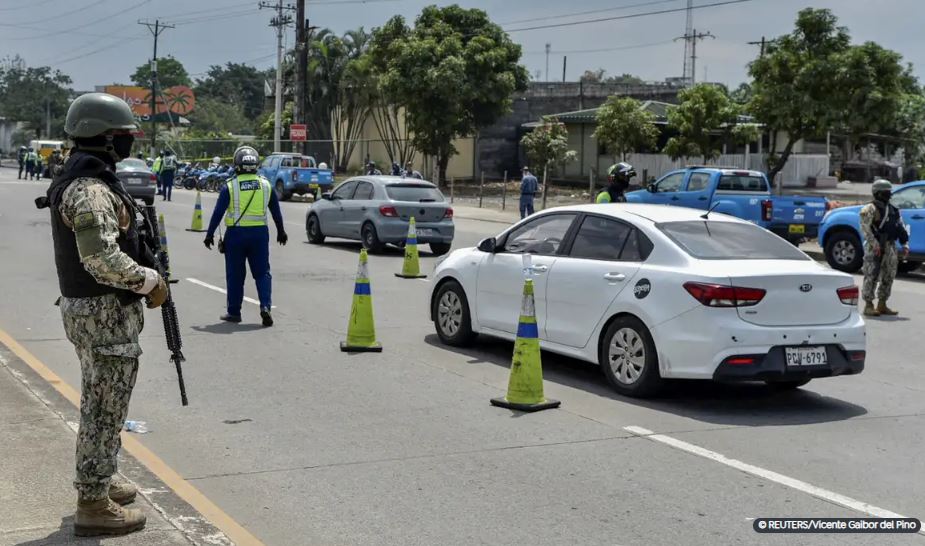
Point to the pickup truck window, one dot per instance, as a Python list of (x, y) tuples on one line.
[(736, 182), (710, 240), (698, 181), (912, 198), (670, 183)]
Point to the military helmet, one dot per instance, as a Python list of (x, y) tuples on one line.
[(92, 114), (881, 185), (246, 159)]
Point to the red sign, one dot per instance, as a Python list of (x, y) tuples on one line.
[(298, 131)]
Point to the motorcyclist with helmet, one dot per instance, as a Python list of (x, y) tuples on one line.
[(618, 177)]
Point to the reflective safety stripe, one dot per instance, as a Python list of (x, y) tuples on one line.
[(257, 208), (362, 289), (527, 330)]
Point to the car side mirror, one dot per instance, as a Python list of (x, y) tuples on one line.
[(488, 245), (327, 196), (652, 188)]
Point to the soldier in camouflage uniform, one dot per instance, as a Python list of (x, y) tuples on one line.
[(882, 225), (97, 255)]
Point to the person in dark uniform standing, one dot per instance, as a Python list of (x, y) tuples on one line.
[(245, 202), (528, 188), (102, 277), (21, 158), (882, 226)]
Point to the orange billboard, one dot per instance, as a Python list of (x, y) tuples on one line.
[(178, 99)]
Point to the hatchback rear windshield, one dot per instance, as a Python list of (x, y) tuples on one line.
[(131, 163), (708, 240), (742, 182), (413, 192)]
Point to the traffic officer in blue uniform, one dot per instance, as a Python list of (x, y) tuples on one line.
[(245, 202)]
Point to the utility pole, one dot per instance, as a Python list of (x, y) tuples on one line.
[(763, 44), (691, 38), (280, 21), (564, 62), (300, 106), (156, 29), (548, 48)]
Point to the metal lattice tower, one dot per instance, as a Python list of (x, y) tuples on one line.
[(688, 72)]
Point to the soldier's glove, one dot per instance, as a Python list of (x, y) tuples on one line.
[(282, 238), (158, 295), (877, 250), (209, 241)]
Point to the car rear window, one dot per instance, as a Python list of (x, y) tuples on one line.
[(413, 192), (709, 240), (742, 182), (131, 162)]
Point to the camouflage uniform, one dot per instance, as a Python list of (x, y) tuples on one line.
[(103, 329), (887, 261)]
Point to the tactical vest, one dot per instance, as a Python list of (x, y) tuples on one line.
[(249, 201), (887, 224), (73, 279)]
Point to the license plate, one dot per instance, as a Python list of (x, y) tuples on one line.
[(136, 181), (424, 231), (796, 228), (806, 356), (313, 186)]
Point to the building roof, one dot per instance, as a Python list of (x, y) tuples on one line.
[(589, 116)]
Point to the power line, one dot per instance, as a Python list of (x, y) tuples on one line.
[(228, 15), (85, 25), (603, 50), (280, 21), (156, 29), (65, 14), (33, 6), (621, 17), (589, 12), (690, 39)]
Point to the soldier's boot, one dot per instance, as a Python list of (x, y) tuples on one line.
[(104, 517), (869, 310), (122, 492), (882, 309)]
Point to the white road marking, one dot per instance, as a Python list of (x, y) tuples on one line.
[(769, 475), (222, 290)]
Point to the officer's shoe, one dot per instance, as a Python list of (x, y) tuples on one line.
[(870, 311), (104, 517), (882, 309), (230, 318), (266, 316), (122, 492)]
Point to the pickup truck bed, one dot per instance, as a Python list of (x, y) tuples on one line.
[(295, 174)]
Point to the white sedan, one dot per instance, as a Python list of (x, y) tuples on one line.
[(652, 292)]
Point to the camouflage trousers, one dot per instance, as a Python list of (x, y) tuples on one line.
[(887, 263), (105, 334)]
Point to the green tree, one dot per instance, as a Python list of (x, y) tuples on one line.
[(31, 94), (547, 145), (170, 72), (909, 125), (265, 125), (453, 73), (704, 119), (598, 76), (742, 94), (355, 89), (213, 115), (812, 80), (623, 126), (239, 85)]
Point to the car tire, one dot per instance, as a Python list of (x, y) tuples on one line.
[(450, 312), (439, 249), (628, 358), (281, 192), (782, 386), (844, 252), (908, 267), (313, 230), (370, 238)]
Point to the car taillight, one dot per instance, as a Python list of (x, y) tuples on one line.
[(857, 356), (448, 213), (848, 295), (389, 211), (718, 295), (767, 210), (740, 360), (153, 179)]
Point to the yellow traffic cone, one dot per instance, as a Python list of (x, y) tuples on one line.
[(525, 386), (361, 329), (411, 267), (196, 224)]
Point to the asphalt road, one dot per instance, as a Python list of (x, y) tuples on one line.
[(303, 444)]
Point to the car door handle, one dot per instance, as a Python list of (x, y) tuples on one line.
[(702, 198), (675, 198), (615, 277), (363, 209), (918, 217), (540, 269)]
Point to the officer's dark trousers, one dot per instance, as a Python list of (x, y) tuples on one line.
[(22, 165), (526, 205), (167, 184), (30, 169), (251, 245)]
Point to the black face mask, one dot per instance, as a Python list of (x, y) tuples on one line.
[(122, 145)]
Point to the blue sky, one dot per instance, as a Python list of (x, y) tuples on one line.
[(99, 41)]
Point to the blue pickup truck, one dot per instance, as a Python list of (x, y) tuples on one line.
[(841, 239), (296, 174), (740, 193)]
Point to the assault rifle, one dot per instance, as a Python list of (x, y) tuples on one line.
[(157, 256)]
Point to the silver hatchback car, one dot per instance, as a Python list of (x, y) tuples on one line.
[(376, 209)]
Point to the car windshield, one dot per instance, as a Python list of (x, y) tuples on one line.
[(413, 192), (131, 163), (710, 240)]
